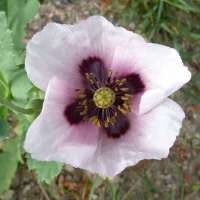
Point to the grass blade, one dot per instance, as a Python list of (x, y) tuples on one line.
[(93, 187), (173, 192), (147, 185), (85, 187), (195, 80), (121, 189), (66, 191), (179, 176), (50, 191), (151, 184), (111, 188), (160, 8), (190, 94)]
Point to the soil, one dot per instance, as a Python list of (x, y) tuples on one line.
[(162, 174)]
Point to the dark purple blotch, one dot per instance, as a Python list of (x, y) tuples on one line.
[(72, 113), (96, 66), (134, 83), (120, 127)]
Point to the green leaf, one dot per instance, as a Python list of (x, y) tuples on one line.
[(12, 77), (19, 13), (21, 130), (8, 163), (46, 170), (4, 127)]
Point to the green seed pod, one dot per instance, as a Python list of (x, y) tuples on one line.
[(36, 106)]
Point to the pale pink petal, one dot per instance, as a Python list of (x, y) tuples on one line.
[(51, 137), (58, 50), (150, 137), (160, 68)]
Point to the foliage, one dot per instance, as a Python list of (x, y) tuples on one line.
[(13, 79), (45, 170), (4, 127), (19, 13), (8, 163)]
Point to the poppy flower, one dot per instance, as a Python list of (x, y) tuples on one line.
[(106, 104)]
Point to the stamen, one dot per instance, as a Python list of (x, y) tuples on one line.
[(91, 81), (125, 106), (95, 122), (123, 80), (77, 90), (86, 118), (112, 120), (124, 89), (79, 106), (81, 91), (115, 114), (123, 111), (125, 98), (116, 73), (128, 95), (117, 81), (99, 123), (116, 89), (111, 82), (92, 75), (110, 73), (87, 75), (84, 112), (129, 109), (128, 104), (120, 84), (108, 119), (106, 124), (92, 118), (80, 96), (84, 102)]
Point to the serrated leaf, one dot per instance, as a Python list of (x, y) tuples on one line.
[(19, 13), (8, 163), (21, 130), (4, 127), (14, 78), (46, 170)]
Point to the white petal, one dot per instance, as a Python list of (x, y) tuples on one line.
[(160, 68), (51, 137), (58, 50), (150, 137)]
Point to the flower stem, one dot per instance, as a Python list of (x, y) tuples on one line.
[(13, 107)]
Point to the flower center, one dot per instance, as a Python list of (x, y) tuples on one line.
[(104, 97), (101, 105)]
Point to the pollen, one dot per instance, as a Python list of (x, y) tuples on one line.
[(104, 97)]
